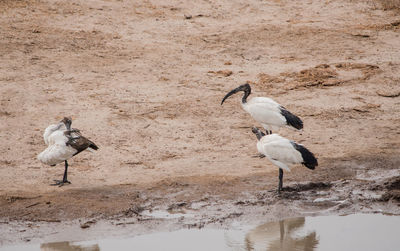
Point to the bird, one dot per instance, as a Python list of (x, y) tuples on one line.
[(266, 111), (63, 143), (283, 152)]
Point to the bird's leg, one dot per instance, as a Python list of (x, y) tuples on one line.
[(65, 173), (267, 132), (64, 180), (280, 180)]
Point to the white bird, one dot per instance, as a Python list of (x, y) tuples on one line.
[(266, 111), (283, 152), (63, 144)]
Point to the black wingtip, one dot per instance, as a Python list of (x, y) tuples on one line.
[(93, 146), (309, 159), (291, 119)]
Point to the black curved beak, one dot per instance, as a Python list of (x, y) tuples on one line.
[(230, 94), (245, 87)]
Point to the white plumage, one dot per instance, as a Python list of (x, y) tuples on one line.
[(279, 151), (57, 150), (283, 152), (52, 128), (266, 111)]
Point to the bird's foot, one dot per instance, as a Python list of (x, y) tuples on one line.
[(60, 183), (258, 156)]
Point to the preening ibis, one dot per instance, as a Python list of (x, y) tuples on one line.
[(266, 111), (283, 152), (63, 143)]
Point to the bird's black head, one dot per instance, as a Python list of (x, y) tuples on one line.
[(257, 132), (67, 122), (245, 88)]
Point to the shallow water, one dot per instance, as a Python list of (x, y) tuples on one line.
[(353, 232)]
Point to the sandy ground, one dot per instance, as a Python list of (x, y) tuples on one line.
[(144, 80)]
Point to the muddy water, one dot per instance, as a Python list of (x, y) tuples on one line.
[(352, 232)]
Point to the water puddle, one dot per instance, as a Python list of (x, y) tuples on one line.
[(352, 232), (373, 175)]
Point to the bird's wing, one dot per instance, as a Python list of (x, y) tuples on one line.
[(270, 113), (79, 142), (74, 133), (282, 151), (266, 113), (56, 153)]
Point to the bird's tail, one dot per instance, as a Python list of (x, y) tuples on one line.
[(92, 146), (291, 119), (309, 159)]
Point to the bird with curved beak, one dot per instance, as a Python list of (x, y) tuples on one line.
[(283, 152), (266, 111), (63, 143)]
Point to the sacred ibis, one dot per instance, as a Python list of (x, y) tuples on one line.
[(63, 143), (283, 152), (266, 111)]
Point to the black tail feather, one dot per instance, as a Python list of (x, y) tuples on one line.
[(309, 159), (93, 145), (291, 119)]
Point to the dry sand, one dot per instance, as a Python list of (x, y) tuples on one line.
[(144, 80)]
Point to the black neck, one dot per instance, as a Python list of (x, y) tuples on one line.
[(260, 134), (245, 95)]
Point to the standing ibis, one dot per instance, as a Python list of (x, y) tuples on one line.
[(283, 152), (266, 111), (63, 143)]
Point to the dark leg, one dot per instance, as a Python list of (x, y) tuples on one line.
[(65, 173), (270, 132), (64, 180), (280, 180)]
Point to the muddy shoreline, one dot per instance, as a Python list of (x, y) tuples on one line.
[(195, 203)]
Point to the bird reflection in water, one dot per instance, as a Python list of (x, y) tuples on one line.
[(68, 246), (281, 236)]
